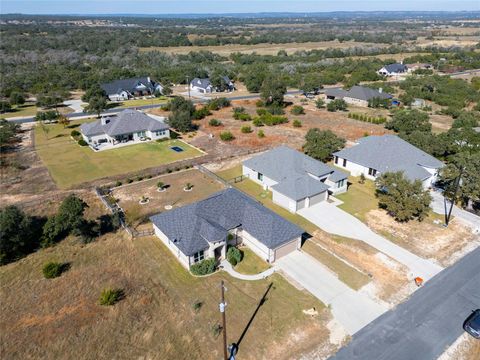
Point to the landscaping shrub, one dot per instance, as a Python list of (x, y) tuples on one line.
[(129, 181), (242, 116), (226, 136), (218, 103), (109, 297), (52, 270), (246, 129), (270, 120), (338, 104), (201, 113), (174, 135), (204, 267), (275, 110), (82, 142), (75, 133), (261, 112), (261, 134), (257, 122), (160, 184), (259, 103), (214, 122), (234, 255), (239, 110), (320, 103), (297, 110), (118, 183), (297, 123)]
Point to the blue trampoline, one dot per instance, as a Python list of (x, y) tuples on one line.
[(176, 148)]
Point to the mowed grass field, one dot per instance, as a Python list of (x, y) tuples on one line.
[(61, 318), (70, 164)]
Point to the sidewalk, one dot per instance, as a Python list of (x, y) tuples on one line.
[(226, 266)]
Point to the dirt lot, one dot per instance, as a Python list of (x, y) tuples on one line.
[(263, 49), (425, 238), (61, 319), (129, 195)]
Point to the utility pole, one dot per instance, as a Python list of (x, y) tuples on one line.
[(188, 86), (224, 320), (454, 197)]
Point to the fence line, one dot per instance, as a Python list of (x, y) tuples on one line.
[(211, 174)]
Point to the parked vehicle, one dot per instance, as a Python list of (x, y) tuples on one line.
[(472, 324)]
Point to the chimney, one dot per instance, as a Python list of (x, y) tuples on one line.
[(148, 79), (380, 90)]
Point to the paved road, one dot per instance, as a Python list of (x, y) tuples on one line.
[(440, 205), (425, 325), (336, 221), (144, 107), (352, 309)]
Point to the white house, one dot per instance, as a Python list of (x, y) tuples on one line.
[(204, 229), (205, 86), (296, 180), (125, 89), (393, 69), (374, 155), (128, 126)]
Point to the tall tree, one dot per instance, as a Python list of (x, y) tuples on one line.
[(96, 105), (320, 144), (272, 91), (403, 199), (408, 121)]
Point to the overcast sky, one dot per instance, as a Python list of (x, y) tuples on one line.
[(225, 6)]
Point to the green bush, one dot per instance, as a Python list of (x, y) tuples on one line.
[(275, 110), (82, 142), (259, 103), (75, 133), (261, 134), (204, 267), (218, 103), (234, 255), (239, 110), (261, 112), (174, 135), (109, 297), (297, 110), (226, 136), (246, 129), (271, 120), (297, 123), (52, 270), (118, 183), (214, 122), (129, 181), (257, 122), (242, 117), (201, 113), (320, 103)]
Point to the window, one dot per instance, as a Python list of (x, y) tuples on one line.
[(141, 134), (160, 133), (336, 159), (344, 162), (341, 183), (372, 172), (198, 256), (260, 176)]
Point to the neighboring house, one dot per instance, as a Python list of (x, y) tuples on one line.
[(125, 89), (204, 229), (357, 95), (296, 180), (205, 86), (129, 125), (393, 69), (374, 155)]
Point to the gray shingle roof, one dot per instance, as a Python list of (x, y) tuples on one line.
[(289, 167), (201, 83), (192, 227), (299, 188), (397, 68), (358, 92), (117, 86), (126, 122), (389, 153)]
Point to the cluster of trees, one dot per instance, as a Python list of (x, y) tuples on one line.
[(8, 133), (21, 234), (321, 144)]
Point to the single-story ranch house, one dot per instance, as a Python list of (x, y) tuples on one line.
[(204, 86), (357, 95), (204, 229), (296, 180), (125, 89), (128, 126), (393, 69), (374, 155)]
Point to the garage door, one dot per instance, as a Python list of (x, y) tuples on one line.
[(286, 249), (317, 199)]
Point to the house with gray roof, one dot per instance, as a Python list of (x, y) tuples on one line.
[(205, 86), (125, 89), (357, 95), (127, 127), (204, 229), (393, 69), (374, 155), (296, 180)]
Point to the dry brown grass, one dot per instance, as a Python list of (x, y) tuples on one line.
[(426, 239), (263, 49), (61, 318)]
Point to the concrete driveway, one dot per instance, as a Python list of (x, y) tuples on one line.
[(352, 309), (440, 205), (75, 105), (336, 221)]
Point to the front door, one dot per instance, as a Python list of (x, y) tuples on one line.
[(218, 253)]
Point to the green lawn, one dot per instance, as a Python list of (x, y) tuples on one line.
[(265, 197), (27, 109), (141, 102), (251, 263), (347, 274), (70, 164), (359, 199)]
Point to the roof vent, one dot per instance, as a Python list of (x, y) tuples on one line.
[(105, 120)]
